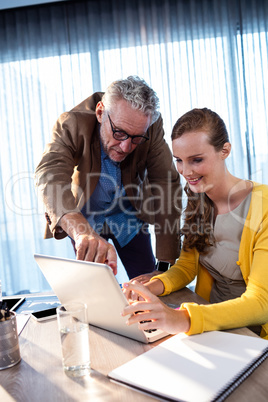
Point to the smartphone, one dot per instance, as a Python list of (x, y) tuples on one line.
[(13, 302), (45, 314)]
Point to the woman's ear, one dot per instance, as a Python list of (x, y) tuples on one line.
[(226, 149), (99, 111)]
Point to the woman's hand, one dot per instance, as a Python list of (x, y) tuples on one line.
[(151, 313), (144, 278), (155, 286)]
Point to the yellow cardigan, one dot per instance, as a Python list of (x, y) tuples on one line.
[(252, 307)]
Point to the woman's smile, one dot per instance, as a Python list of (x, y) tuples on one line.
[(193, 181)]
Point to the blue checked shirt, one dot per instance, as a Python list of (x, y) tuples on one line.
[(109, 204)]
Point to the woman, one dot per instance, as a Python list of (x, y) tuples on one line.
[(225, 240)]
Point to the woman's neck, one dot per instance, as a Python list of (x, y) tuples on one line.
[(229, 194)]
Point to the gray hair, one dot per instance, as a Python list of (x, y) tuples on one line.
[(135, 91)]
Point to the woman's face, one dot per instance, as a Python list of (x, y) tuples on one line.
[(198, 162)]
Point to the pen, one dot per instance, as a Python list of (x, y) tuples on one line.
[(4, 313)]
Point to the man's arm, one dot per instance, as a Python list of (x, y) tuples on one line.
[(89, 245), (56, 188), (53, 175)]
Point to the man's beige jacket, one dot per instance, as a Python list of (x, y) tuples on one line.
[(71, 164)]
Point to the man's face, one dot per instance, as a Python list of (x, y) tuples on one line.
[(123, 117)]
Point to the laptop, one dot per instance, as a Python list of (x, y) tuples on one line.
[(94, 284)]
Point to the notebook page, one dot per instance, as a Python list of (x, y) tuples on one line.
[(191, 368)]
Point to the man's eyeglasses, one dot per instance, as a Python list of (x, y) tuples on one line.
[(121, 135)]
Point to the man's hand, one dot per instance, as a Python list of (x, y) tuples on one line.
[(94, 248), (88, 244)]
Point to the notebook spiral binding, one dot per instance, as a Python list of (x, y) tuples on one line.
[(241, 377)]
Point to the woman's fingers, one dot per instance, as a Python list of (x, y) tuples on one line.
[(152, 313), (134, 290)]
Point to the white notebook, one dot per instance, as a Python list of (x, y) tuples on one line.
[(205, 367)]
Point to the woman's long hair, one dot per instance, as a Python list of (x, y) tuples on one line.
[(199, 212)]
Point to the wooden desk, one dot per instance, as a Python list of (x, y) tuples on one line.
[(40, 377)]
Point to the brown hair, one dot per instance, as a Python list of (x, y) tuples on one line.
[(198, 215)]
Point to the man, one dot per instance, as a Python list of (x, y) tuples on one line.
[(108, 173)]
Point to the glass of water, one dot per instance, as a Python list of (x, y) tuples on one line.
[(74, 333)]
